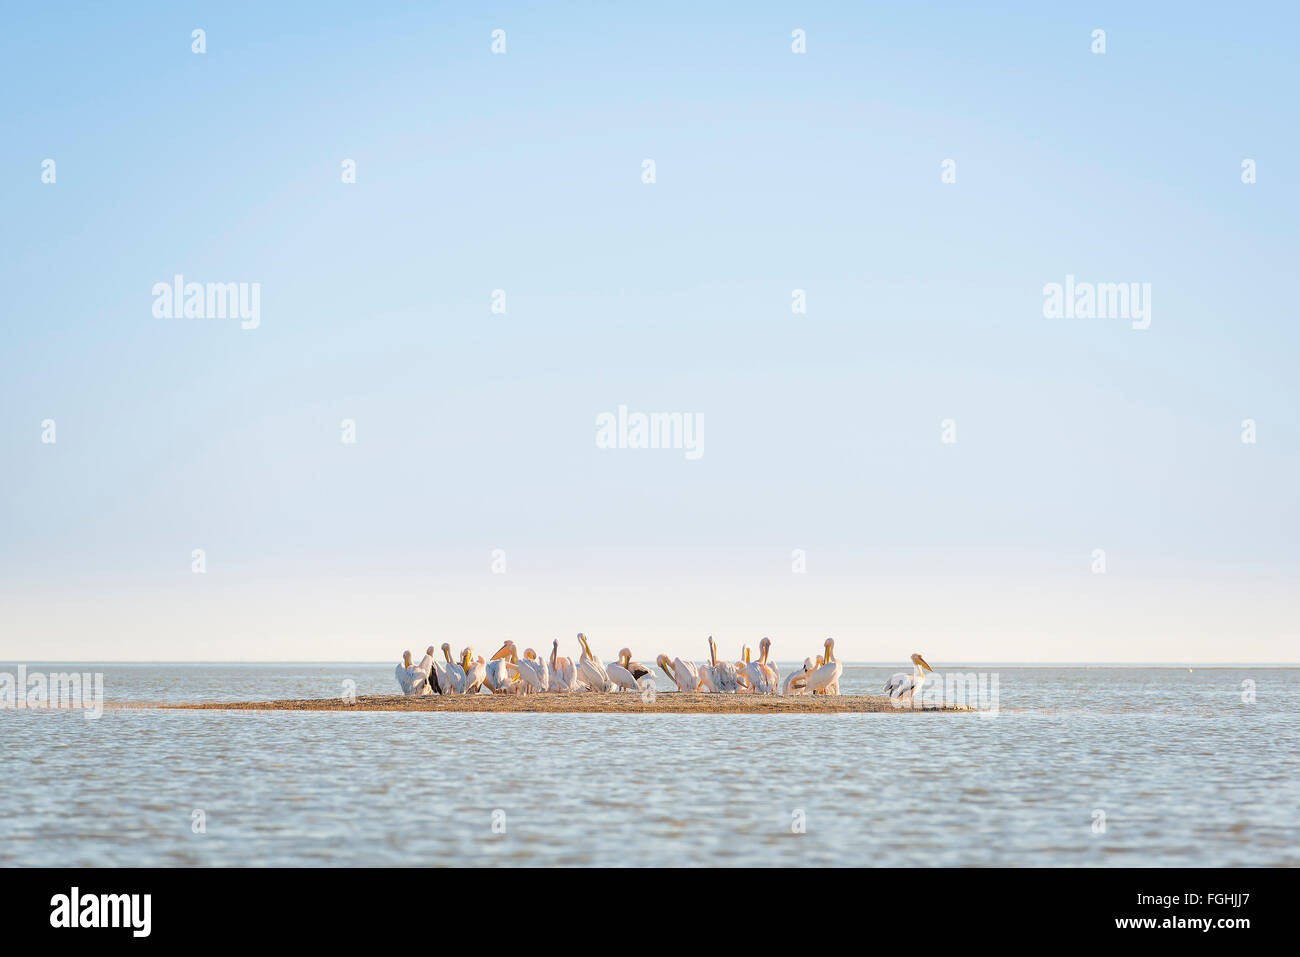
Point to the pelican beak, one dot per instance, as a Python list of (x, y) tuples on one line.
[(926, 665)]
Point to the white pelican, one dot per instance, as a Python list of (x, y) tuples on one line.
[(425, 682), (904, 686), (621, 674), (563, 674), (718, 676), (826, 679), (769, 668), (591, 669), (451, 676), (643, 676), (684, 674), (502, 674), (755, 676), (475, 671), (404, 673), (533, 671), (796, 682)]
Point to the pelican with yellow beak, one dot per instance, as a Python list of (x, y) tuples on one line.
[(403, 673), (475, 671), (796, 682), (903, 687), (563, 675), (533, 672), (717, 676), (502, 675), (682, 673), (451, 676), (621, 674), (769, 668), (826, 679), (591, 670), (750, 674)]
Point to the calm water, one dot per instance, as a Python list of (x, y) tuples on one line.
[(1185, 772)]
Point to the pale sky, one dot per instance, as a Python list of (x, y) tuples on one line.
[(822, 431)]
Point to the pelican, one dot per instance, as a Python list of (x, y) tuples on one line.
[(638, 670), (718, 676), (502, 673), (475, 671), (563, 674), (796, 682), (826, 679), (591, 669), (621, 674), (404, 673), (451, 676), (769, 668), (533, 671), (904, 686), (755, 677), (426, 669), (684, 674)]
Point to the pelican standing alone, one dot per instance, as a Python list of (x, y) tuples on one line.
[(903, 686)]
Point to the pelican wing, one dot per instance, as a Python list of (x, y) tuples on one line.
[(622, 677)]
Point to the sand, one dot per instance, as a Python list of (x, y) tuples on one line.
[(589, 703)]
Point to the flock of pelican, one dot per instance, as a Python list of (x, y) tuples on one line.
[(508, 673)]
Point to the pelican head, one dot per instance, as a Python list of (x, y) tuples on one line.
[(830, 649), (713, 651), (465, 657), (446, 651), (504, 651), (663, 662), (429, 651), (530, 654), (746, 654), (921, 662), (625, 656), (406, 658), (586, 649), (809, 665), (764, 647)]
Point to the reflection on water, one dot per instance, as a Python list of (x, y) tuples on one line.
[(1185, 771)]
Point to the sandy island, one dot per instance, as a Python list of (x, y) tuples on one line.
[(589, 703)]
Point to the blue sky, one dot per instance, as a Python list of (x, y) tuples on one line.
[(475, 431)]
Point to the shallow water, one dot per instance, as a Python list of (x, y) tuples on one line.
[(1185, 771)]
